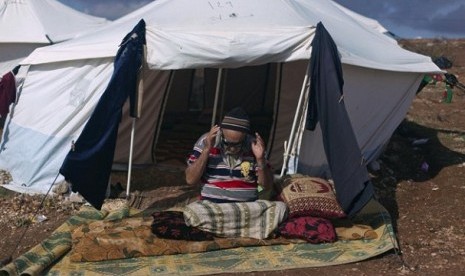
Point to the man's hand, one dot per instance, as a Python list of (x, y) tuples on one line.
[(258, 148), (195, 171), (210, 140), (265, 176)]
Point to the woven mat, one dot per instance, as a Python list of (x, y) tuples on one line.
[(52, 255)]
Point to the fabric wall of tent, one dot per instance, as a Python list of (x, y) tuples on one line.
[(28, 24), (262, 50)]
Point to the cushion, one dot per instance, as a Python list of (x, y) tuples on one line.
[(356, 232), (171, 225), (311, 229), (310, 196), (258, 219)]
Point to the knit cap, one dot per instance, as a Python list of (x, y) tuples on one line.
[(236, 119)]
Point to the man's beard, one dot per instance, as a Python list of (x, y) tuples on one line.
[(232, 152)]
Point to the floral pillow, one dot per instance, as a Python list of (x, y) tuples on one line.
[(171, 225), (311, 229), (310, 196)]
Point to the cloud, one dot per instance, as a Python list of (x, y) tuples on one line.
[(111, 9), (115, 9), (450, 21), (414, 18)]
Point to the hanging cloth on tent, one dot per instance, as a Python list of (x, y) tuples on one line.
[(326, 106), (7, 93), (88, 164)]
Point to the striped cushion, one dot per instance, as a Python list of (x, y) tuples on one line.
[(256, 219)]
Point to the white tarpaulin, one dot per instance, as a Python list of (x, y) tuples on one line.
[(28, 24)]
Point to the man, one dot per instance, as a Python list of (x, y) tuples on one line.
[(228, 162)]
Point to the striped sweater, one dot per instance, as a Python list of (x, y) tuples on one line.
[(222, 182)]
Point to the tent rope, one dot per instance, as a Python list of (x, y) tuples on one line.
[(9, 259), (397, 250)]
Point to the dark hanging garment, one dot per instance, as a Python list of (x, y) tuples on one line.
[(326, 106), (7, 93), (88, 164)]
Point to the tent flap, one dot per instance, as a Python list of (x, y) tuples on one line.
[(88, 164), (326, 106)]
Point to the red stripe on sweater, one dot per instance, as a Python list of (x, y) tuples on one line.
[(233, 184)]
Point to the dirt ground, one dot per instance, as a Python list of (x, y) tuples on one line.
[(421, 181)]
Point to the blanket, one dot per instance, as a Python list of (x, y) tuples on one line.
[(53, 256), (256, 219), (133, 237)]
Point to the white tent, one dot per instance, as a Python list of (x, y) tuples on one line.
[(61, 84), (28, 24), (369, 22)]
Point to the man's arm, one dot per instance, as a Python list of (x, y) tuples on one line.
[(265, 176), (195, 170)]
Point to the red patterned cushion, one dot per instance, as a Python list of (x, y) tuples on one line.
[(311, 229), (310, 196)]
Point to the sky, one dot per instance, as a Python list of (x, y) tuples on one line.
[(403, 18)]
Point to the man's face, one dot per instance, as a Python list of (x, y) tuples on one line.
[(232, 141)]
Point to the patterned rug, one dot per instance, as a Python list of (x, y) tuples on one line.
[(52, 256)]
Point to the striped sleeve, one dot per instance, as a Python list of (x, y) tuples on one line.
[(197, 150)]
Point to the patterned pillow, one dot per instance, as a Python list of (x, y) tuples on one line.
[(311, 229), (310, 196), (171, 225)]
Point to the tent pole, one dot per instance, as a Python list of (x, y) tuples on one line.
[(290, 143), (217, 92), (139, 94), (223, 92), (161, 114), (300, 131), (128, 185), (277, 94)]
